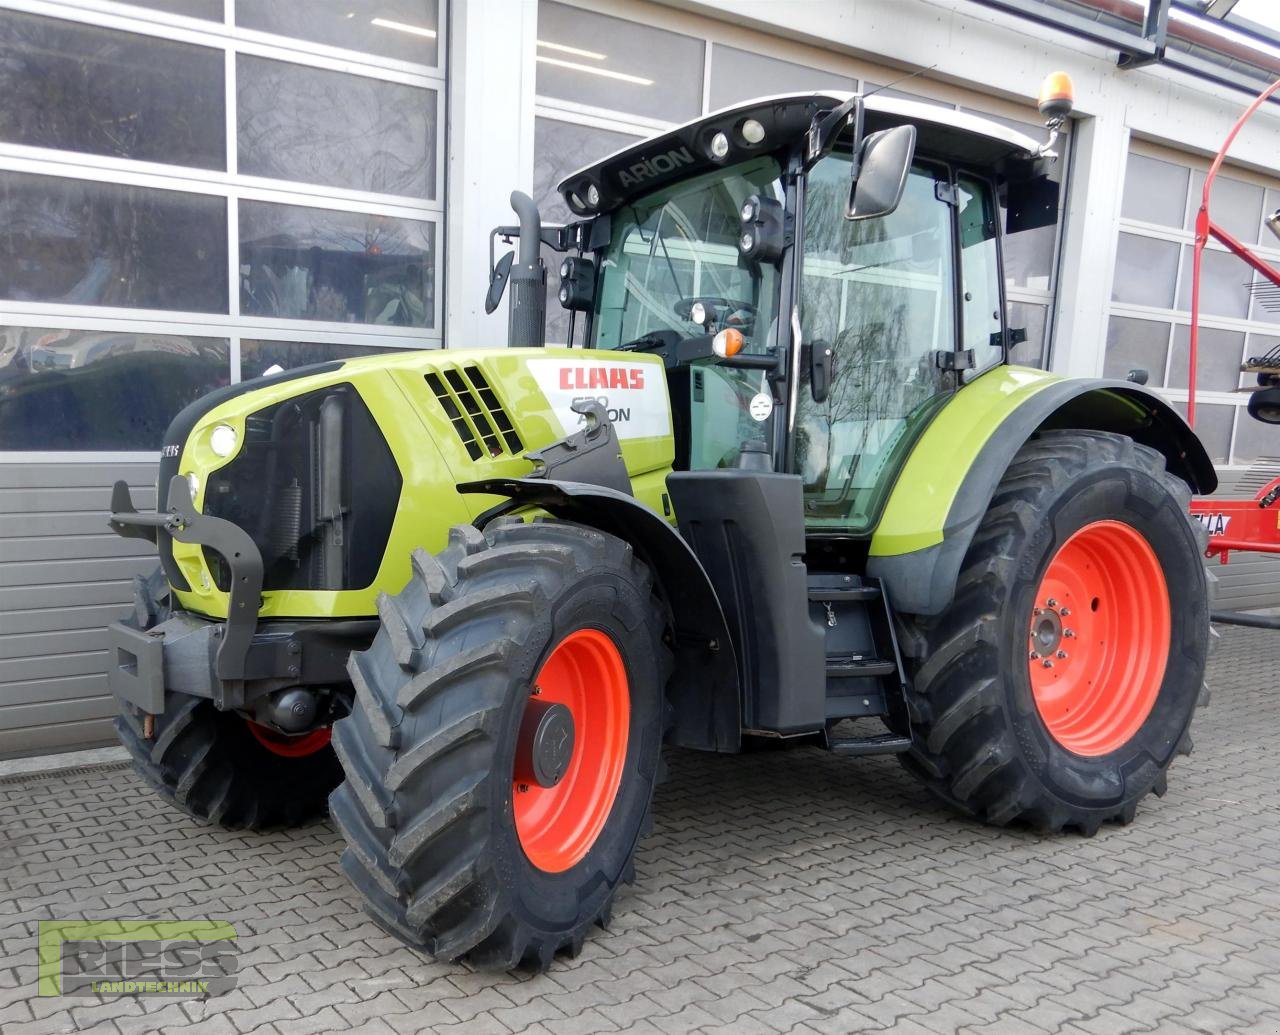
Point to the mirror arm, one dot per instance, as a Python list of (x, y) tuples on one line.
[(821, 134)]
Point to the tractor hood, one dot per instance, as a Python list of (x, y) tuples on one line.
[(339, 471)]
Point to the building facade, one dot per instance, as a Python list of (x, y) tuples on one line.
[(194, 191)]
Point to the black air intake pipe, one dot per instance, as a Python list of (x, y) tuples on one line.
[(528, 311)]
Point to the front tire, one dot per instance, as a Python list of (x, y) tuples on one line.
[(219, 768), (1059, 686), (461, 838)]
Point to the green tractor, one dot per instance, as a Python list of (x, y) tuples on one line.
[(462, 599)]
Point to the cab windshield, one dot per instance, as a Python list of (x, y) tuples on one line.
[(674, 259)]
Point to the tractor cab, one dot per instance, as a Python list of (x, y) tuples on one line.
[(819, 272)]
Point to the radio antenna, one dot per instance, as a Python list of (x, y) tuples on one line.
[(912, 75)]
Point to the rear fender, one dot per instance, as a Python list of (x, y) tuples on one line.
[(948, 480), (704, 685)]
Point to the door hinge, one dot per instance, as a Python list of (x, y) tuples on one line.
[(960, 359), (944, 191)]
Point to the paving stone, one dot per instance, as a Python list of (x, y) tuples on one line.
[(779, 891)]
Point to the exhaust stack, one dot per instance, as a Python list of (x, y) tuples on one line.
[(528, 309)]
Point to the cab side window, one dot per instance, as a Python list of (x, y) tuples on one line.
[(979, 271)]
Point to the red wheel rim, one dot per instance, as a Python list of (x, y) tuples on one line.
[(290, 746), (558, 825), (1099, 639)]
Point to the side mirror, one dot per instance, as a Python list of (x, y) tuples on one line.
[(884, 160)]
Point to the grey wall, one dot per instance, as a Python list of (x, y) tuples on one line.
[(63, 577)]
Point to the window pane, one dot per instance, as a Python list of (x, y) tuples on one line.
[(209, 10), (402, 29), (738, 75), (1224, 284), (1137, 345), (1217, 359), (348, 267), (1154, 191), (979, 271), (1146, 271), (1235, 206), (258, 356), (1029, 254), (106, 244), (79, 88), (560, 148), (1254, 439), (610, 63), (1034, 320), (115, 390), (315, 126)]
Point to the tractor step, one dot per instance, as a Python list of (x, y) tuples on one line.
[(865, 677), (880, 744), (855, 706), (854, 666)]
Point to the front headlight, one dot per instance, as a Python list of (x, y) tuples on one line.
[(222, 440)]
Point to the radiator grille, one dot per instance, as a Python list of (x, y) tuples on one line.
[(475, 412)]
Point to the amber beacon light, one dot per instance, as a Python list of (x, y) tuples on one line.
[(1057, 97)]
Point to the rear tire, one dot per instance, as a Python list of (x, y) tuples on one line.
[(1004, 737), (441, 840)]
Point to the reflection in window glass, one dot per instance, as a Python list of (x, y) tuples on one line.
[(880, 292), (1224, 284), (260, 355), (79, 88), (406, 30), (1218, 357), (1033, 319), (105, 244), (347, 267), (1236, 206), (208, 10), (1254, 439), (1154, 191), (979, 271), (739, 75), (63, 390), (1146, 271), (622, 65), (317, 126), (1137, 345), (560, 148)]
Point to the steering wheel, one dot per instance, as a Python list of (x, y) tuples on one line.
[(715, 305)]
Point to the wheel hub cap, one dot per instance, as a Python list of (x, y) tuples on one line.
[(571, 750), (1099, 636), (546, 743)]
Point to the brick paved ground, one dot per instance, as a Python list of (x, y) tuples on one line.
[(781, 891)]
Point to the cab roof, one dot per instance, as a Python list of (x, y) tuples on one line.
[(684, 151)]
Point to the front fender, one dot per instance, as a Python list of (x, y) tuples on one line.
[(704, 685), (948, 480)]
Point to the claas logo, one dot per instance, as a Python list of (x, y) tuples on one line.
[(572, 378)]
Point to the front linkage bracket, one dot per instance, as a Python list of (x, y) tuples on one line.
[(181, 521), (591, 456)]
